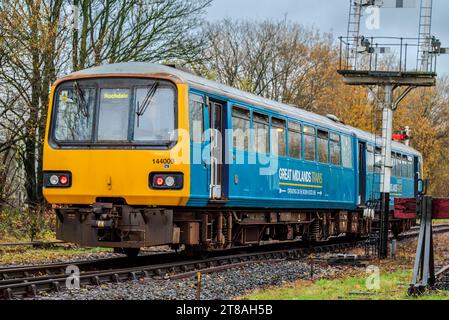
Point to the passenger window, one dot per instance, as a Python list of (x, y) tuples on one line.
[(411, 174), (260, 126), (346, 145), (294, 140), (397, 165), (241, 126), (279, 140), (309, 143), (196, 119), (405, 172), (335, 149), (323, 146)]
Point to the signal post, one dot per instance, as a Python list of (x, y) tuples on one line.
[(359, 65)]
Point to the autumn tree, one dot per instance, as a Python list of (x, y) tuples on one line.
[(285, 61), (37, 46)]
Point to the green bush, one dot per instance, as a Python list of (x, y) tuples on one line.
[(24, 224)]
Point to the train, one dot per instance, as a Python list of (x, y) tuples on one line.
[(142, 155)]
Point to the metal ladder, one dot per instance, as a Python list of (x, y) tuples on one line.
[(355, 15), (424, 60)]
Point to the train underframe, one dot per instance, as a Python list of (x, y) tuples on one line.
[(129, 228)]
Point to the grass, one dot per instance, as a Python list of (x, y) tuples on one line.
[(22, 255), (393, 286), (441, 221)]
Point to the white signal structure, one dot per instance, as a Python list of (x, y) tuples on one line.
[(360, 66)]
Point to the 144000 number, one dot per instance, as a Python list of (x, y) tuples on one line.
[(163, 161)]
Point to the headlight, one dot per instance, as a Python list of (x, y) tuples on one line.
[(166, 181), (54, 180), (170, 181), (57, 179)]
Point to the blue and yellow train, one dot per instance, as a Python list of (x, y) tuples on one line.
[(140, 154)]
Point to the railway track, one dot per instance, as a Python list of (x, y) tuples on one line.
[(29, 281), (439, 228), (442, 278)]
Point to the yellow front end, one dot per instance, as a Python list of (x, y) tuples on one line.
[(120, 173)]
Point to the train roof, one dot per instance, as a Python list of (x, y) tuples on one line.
[(146, 69)]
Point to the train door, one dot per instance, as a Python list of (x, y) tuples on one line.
[(416, 173), (362, 173), (416, 168), (216, 149)]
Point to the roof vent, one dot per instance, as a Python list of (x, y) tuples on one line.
[(334, 118), (179, 67)]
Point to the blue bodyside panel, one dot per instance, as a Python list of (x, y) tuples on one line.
[(265, 181), (291, 184)]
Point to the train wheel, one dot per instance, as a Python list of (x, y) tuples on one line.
[(132, 253)]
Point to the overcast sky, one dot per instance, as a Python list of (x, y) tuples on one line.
[(332, 16)]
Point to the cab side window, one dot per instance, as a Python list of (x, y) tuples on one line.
[(196, 118)]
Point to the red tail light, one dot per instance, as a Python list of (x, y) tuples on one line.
[(63, 180), (166, 181), (160, 181), (56, 179)]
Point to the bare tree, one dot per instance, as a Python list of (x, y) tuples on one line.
[(280, 60), (145, 30), (35, 49)]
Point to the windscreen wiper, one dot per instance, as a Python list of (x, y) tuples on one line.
[(142, 108), (81, 102)]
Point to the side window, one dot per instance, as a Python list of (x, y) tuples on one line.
[(346, 145), (241, 128), (370, 158), (294, 140), (309, 143), (396, 165), (196, 118), (404, 173), (260, 128), (411, 174), (323, 146), (279, 140), (335, 149)]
